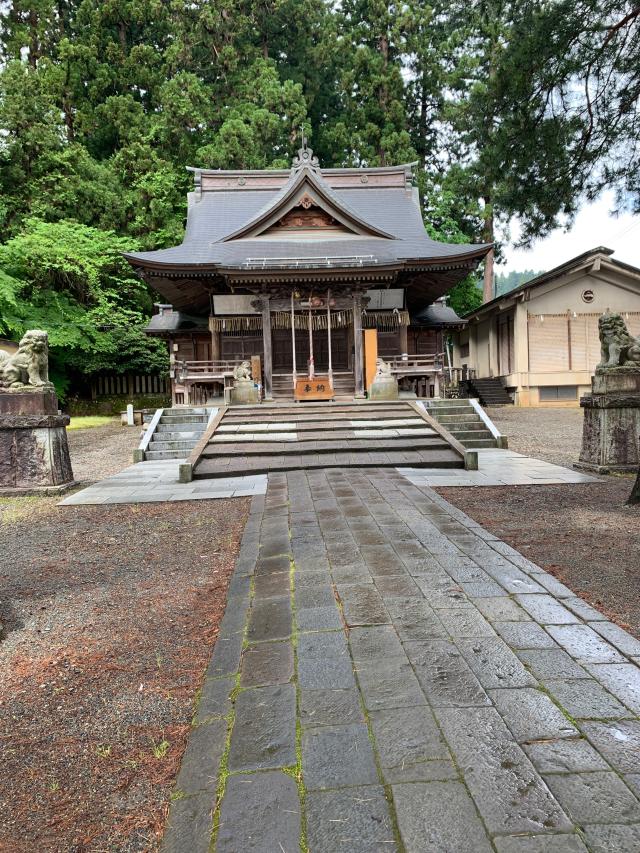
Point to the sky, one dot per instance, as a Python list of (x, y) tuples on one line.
[(593, 226)]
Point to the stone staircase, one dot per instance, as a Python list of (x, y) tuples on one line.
[(177, 433), (490, 392), (462, 420), (266, 438)]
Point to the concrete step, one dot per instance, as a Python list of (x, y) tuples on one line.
[(229, 466), (184, 419), (187, 444), (166, 435), (453, 405), (470, 434), (187, 426), (469, 425), (165, 454), (478, 443), (458, 419)]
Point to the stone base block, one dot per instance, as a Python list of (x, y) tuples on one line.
[(611, 428), (384, 388), (243, 394), (28, 401), (34, 453)]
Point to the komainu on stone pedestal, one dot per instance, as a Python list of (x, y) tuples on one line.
[(34, 454), (611, 430), (384, 385), (244, 391)]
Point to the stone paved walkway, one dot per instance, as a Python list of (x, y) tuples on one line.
[(391, 677), (149, 482), (497, 467)]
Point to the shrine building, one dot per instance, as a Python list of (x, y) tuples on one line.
[(309, 274)]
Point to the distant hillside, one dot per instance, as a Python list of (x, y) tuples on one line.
[(509, 281)]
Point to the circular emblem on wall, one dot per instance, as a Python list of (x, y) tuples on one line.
[(364, 179), (587, 296)]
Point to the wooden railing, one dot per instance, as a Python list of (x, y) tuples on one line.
[(414, 364), (197, 370)]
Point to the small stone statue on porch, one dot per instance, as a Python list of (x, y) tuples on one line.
[(34, 455), (611, 430), (244, 391), (384, 385)]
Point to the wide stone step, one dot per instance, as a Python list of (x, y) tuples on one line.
[(311, 432), (329, 425), (329, 415), (230, 466), (290, 447)]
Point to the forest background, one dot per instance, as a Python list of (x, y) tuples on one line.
[(511, 110)]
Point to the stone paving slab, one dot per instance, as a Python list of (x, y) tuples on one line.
[(157, 481), (391, 677), (498, 467)]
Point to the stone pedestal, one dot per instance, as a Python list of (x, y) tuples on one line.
[(383, 387), (611, 431), (34, 455), (244, 393)]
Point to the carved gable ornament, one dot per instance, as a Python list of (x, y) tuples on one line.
[(307, 203)]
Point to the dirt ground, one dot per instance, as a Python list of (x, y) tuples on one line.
[(583, 534), (101, 451), (110, 615)]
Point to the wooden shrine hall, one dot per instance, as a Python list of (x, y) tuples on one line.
[(309, 274)]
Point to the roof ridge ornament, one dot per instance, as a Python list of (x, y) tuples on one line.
[(305, 158)]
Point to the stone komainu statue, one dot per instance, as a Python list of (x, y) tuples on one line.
[(382, 368), (242, 373), (619, 348), (29, 366)]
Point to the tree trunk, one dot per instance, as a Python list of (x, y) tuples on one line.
[(488, 237), (34, 42), (383, 93), (634, 497)]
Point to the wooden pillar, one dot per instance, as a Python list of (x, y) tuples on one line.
[(404, 344), (358, 364), (266, 342), (215, 345)]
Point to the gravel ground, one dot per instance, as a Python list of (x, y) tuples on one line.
[(99, 452), (110, 615), (554, 435), (582, 533)]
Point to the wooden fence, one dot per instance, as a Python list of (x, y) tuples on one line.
[(129, 385)]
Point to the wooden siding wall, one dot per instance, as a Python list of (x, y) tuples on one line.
[(563, 342)]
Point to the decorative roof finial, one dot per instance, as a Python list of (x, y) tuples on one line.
[(305, 156)]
